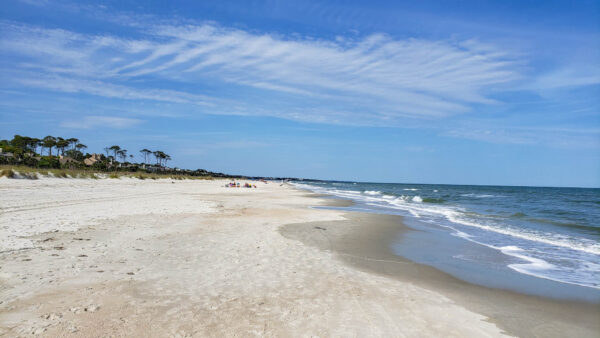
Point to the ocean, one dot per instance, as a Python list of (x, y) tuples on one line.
[(545, 233)]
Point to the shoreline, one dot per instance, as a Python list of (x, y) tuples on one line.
[(364, 241), (192, 258)]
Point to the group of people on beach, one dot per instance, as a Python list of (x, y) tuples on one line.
[(237, 185)]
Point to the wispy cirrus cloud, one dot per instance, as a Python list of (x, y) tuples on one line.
[(109, 90), (101, 122), (566, 138), (375, 79), (570, 76)]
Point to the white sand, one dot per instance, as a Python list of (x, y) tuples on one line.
[(31, 207), (124, 257)]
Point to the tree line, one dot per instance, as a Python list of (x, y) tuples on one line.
[(24, 149), (25, 144)]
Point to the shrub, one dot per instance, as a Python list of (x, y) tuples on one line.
[(30, 162), (48, 162)]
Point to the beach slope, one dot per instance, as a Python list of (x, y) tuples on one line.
[(126, 257)]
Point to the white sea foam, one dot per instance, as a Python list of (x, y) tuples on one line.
[(372, 192), (461, 234), (479, 195), (398, 201), (535, 266), (410, 189), (547, 238), (539, 268), (456, 215)]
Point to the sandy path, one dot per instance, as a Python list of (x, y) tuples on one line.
[(191, 258)]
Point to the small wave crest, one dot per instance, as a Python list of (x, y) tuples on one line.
[(593, 248), (538, 267), (479, 195), (529, 257)]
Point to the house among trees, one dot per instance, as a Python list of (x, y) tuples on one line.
[(66, 160), (92, 159), (58, 152), (5, 154), (152, 168)]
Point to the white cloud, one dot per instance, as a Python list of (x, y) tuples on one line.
[(496, 135), (101, 122), (376, 79), (573, 76), (105, 89), (567, 138)]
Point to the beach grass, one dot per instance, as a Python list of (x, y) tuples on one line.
[(12, 171), (7, 172), (61, 174)]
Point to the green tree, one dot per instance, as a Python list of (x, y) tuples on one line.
[(80, 147), (61, 144), (161, 157), (34, 143), (146, 154), (115, 149), (158, 155), (49, 142), (21, 143), (122, 154), (75, 154), (73, 142)]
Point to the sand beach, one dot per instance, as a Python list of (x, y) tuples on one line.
[(164, 258)]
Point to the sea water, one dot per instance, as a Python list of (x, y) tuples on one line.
[(547, 233)]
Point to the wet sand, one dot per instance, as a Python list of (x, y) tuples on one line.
[(330, 201), (364, 241)]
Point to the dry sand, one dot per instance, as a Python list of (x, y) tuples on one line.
[(125, 257)]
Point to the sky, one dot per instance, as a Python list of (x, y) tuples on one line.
[(456, 92)]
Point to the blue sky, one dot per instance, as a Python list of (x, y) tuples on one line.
[(463, 92)]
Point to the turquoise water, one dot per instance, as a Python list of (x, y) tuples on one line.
[(547, 233)]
